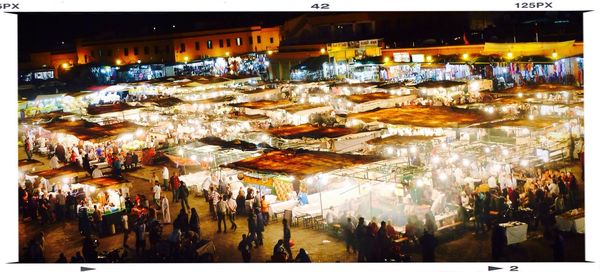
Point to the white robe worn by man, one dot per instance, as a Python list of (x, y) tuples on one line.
[(165, 210), (54, 164), (97, 173)]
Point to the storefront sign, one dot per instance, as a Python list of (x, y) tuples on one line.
[(366, 43), (401, 57), (418, 58)]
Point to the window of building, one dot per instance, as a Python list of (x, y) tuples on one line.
[(209, 44), (146, 50), (136, 51), (364, 28), (126, 51), (228, 42), (109, 52), (197, 44), (182, 47), (221, 43), (99, 52), (343, 30), (157, 50), (324, 31), (250, 40), (85, 58), (271, 39), (238, 41), (258, 40)]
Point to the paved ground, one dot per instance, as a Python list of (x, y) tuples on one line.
[(465, 247)]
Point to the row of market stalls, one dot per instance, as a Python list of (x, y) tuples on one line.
[(386, 151), (505, 71)]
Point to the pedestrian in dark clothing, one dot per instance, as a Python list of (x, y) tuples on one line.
[(479, 214), (61, 258), (77, 258), (134, 160), (71, 204), (360, 233), (287, 236), (182, 222), (260, 227), (183, 196), (195, 222), (279, 252), (487, 207), (428, 244), (244, 247), (154, 232), (140, 237), (86, 164), (383, 243), (89, 249), (498, 243), (240, 201), (572, 184), (349, 236), (252, 228), (302, 257)]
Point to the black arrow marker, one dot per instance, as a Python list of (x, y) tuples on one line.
[(87, 269), (492, 268)]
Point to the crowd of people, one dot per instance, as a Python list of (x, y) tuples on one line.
[(540, 194)]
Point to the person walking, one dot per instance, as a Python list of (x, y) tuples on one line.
[(140, 237), (61, 202), (182, 222), (214, 197), (260, 227), (240, 201), (232, 209), (360, 234), (302, 257), (264, 209), (428, 244), (195, 222), (156, 194), (252, 228), (287, 236), (97, 217), (183, 195), (125, 224), (175, 187), (221, 213), (165, 176), (166, 213), (349, 235), (479, 214), (498, 243), (244, 247)]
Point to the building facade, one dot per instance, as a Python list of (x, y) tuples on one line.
[(180, 47)]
